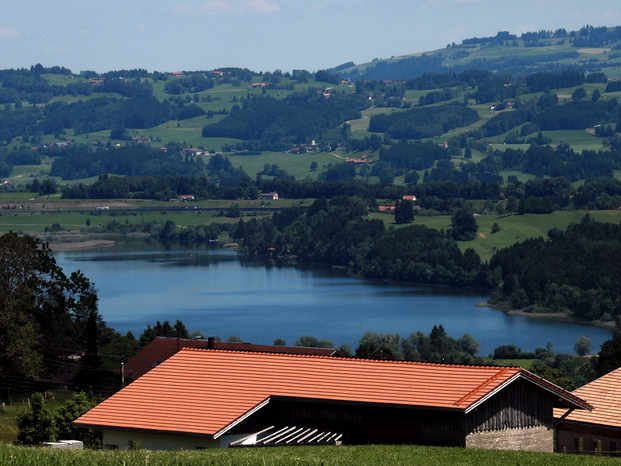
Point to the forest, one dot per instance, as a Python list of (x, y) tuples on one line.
[(274, 124), (573, 271), (81, 161), (423, 123), (336, 233)]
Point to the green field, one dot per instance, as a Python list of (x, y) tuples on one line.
[(513, 228), (71, 221), (296, 165), (523, 363), (324, 455), (579, 140)]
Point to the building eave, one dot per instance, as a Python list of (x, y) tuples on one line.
[(572, 400)]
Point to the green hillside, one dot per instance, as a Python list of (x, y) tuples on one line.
[(590, 48)]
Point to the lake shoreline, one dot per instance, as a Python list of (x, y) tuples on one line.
[(213, 292), (552, 316)]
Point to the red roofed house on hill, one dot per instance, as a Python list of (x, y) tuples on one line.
[(269, 196), (161, 348), (596, 431), (211, 398)]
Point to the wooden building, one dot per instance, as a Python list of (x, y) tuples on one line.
[(597, 431), (209, 398)]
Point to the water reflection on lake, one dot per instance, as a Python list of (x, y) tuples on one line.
[(212, 291)]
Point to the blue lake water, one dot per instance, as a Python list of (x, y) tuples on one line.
[(213, 292)]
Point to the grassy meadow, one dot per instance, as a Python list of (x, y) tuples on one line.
[(320, 455), (295, 165), (513, 228)]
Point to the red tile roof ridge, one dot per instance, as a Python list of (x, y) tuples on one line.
[(487, 382), (342, 358)]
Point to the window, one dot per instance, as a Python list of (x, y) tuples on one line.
[(597, 446), (578, 444)]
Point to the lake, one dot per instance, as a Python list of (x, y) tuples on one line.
[(213, 292)]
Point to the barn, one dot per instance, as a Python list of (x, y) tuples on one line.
[(202, 398), (597, 431), (160, 349)]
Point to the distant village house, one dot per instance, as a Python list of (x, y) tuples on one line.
[(270, 196)]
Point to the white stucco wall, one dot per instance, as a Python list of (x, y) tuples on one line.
[(156, 441)]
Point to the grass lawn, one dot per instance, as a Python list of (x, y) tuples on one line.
[(61, 79), (513, 228), (360, 127), (579, 140), (521, 176), (22, 174), (71, 221), (484, 115), (296, 165), (523, 363), (320, 455)]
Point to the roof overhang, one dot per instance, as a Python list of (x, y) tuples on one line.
[(571, 400), (241, 418), (139, 429)]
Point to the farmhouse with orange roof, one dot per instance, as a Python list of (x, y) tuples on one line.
[(596, 431), (211, 398)]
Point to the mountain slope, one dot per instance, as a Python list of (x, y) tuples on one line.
[(589, 49)]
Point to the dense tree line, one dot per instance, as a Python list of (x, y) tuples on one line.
[(486, 171), (440, 190), (548, 115), (589, 36), (560, 161), (425, 122), (436, 96), (191, 83), (598, 194), (278, 124), (574, 271), (45, 315), (78, 161), (30, 86), (335, 233), (417, 156), (545, 81), (91, 115)]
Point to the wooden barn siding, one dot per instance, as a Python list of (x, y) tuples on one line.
[(363, 424), (520, 405)]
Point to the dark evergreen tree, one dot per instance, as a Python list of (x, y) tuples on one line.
[(463, 225), (404, 212)]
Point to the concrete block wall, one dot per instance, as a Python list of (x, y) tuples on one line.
[(528, 439)]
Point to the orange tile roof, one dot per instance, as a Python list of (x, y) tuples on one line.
[(161, 348), (204, 391), (604, 394)]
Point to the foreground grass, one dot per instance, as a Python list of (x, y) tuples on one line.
[(380, 455)]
